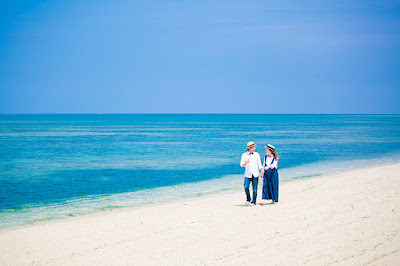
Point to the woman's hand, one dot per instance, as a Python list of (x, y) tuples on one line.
[(266, 167)]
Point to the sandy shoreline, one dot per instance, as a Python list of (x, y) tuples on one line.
[(348, 218)]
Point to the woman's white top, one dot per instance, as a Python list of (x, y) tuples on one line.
[(268, 161)]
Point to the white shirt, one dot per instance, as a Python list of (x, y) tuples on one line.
[(254, 166), (268, 162)]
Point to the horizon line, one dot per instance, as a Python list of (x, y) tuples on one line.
[(199, 114)]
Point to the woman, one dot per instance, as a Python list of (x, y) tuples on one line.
[(271, 179)]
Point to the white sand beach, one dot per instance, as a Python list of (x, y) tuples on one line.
[(348, 218)]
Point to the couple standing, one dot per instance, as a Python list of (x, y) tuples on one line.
[(269, 171)]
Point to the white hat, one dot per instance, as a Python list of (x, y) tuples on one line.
[(270, 147)]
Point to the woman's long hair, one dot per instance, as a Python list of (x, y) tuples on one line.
[(276, 156)]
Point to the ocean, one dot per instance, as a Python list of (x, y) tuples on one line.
[(60, 165)]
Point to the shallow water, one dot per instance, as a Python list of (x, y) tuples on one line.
[(52, 166)]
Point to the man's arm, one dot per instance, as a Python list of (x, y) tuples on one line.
[(259, 164), (243, 162)]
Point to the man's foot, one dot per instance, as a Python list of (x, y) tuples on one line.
[(251, 204), (247, 203), (262, 203), (273, 202)]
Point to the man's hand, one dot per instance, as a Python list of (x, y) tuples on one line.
[(245, 162)]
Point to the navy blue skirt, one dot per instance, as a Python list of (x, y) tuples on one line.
[(271, 185)]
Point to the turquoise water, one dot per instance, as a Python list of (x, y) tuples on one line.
[(53, 166)]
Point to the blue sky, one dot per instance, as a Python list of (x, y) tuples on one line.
[(200, 57)]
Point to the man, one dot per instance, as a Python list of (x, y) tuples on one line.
[(252, 163)]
